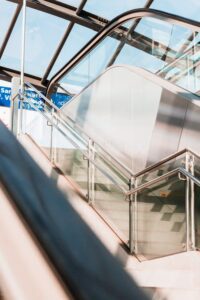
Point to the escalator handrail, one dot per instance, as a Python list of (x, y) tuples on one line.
[(117, 21)]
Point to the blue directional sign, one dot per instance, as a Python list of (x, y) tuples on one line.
[(5, 93), (59, 99)]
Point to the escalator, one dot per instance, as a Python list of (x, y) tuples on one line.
[(125, 138)]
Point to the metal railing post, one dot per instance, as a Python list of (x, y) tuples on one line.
[(192, 203), (132, 213), (91, 171), (23, 44), (136, 219), (14, 116), (51, 136), (187, 203)]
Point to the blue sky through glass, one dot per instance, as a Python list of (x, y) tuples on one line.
[(7, 10), (43, 33), (186, 8), (111, 8), (78, 37)]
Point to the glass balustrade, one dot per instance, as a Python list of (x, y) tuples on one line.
[(160, 218), (108, 196), (36, 126), (163, 46), (160, 227), (68, 155)]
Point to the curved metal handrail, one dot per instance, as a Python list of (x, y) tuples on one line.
[(162, 177), (116, 22)]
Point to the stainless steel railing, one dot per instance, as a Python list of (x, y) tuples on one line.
[(66, 121), (131, 189), (53, 123)]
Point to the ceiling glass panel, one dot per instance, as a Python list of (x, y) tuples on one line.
[(6, 9), (43, 33), (78, 37), (112, 8), (189, 9)]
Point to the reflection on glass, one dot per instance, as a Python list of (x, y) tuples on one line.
[(78, 37), (93, 64), (69, 158), (161, 219), (165, 49), (109, 199)]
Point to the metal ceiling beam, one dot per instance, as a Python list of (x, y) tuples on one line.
[(10, 29), (66, 12), (7, 74), (62, 43)]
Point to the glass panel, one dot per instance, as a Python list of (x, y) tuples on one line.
[(6, 9), (168, 50), (91, 66), (161, 220), (120, 170), (68, 154), (112, 8), (189, 9), (40, 46), (78, 37), (109, 199), (37, 127)]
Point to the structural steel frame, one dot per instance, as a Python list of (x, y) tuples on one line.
[(80, 16)]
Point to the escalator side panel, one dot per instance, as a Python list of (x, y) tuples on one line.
[(136, 116), (119, 111)]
